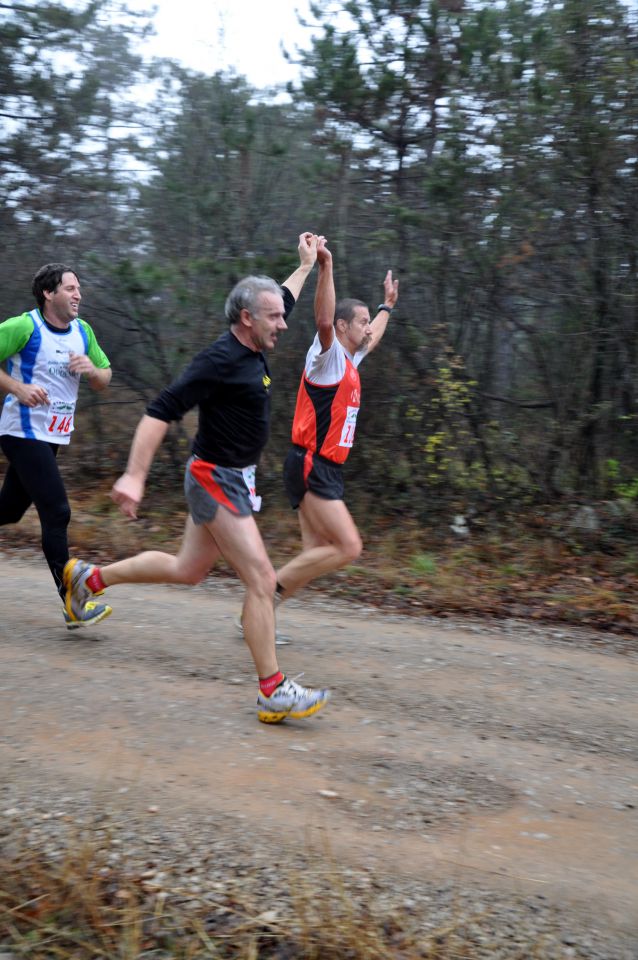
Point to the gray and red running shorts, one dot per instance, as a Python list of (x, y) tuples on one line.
[(207, 486)]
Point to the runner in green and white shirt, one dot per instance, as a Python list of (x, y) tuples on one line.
[(46, 351)]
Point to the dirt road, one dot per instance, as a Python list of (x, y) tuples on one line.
[(499, 758)]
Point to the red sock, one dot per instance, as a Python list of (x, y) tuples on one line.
[(268, 684), (95, 582)]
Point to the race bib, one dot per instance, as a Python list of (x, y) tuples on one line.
[(60, 416), (248, 473), (349, 426)]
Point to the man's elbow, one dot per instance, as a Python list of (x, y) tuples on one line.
[(101, 379)]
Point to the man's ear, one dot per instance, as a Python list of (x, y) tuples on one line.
[(245, 318)]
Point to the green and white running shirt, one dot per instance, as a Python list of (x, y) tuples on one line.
[(38, 353)]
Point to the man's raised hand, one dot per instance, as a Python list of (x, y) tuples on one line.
[(324, 255), (390, 290), (307, 248)]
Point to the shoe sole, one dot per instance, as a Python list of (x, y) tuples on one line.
[(271, 717), (76, 624)]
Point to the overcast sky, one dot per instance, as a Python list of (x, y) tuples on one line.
[(208, 35)]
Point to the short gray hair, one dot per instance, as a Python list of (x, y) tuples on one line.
[(246, 293), (345, 309)]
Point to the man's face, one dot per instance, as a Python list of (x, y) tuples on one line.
[(267, 321), (63, 303), (358, 330)]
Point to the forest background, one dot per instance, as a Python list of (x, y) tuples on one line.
[(486, 152)]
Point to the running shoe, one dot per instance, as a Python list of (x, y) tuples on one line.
[(281, 639), (76, 573), (290, 699), (92, 613)]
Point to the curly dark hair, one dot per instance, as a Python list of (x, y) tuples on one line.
[(49, 278)]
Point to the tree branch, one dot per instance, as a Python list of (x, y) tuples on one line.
[(526, 404)]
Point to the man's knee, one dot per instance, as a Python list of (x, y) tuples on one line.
[(190, 576), (268, 581), (352, 548), (57, 517), (263, 581)]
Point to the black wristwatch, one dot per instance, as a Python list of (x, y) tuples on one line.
[(382, 306)]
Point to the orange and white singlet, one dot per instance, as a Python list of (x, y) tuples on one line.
[(328, 401)]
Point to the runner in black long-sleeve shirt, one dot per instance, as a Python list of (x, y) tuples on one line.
[(230, 384)]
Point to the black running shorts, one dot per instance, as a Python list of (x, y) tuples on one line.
[(305, 470)]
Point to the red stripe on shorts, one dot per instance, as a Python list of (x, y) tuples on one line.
[(203, 473), (307, 467)]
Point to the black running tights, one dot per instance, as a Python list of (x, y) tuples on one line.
[(33, 477)]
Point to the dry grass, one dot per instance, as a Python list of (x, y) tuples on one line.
[(79, 907)]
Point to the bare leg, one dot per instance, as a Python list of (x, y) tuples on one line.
[(238, 540), (241, 545), (197, 555), (330, 540)]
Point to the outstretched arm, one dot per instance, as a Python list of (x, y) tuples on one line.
[(325, 298), (128, 491), (307, 257), (379, 323)]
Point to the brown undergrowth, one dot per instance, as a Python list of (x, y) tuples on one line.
[(514, 569)]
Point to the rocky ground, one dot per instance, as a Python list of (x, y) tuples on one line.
[(464, 771)]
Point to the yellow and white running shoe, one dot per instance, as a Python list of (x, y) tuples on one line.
[(290, 699), (92, 613)]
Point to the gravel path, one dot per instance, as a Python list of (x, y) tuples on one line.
[(463, 770)]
